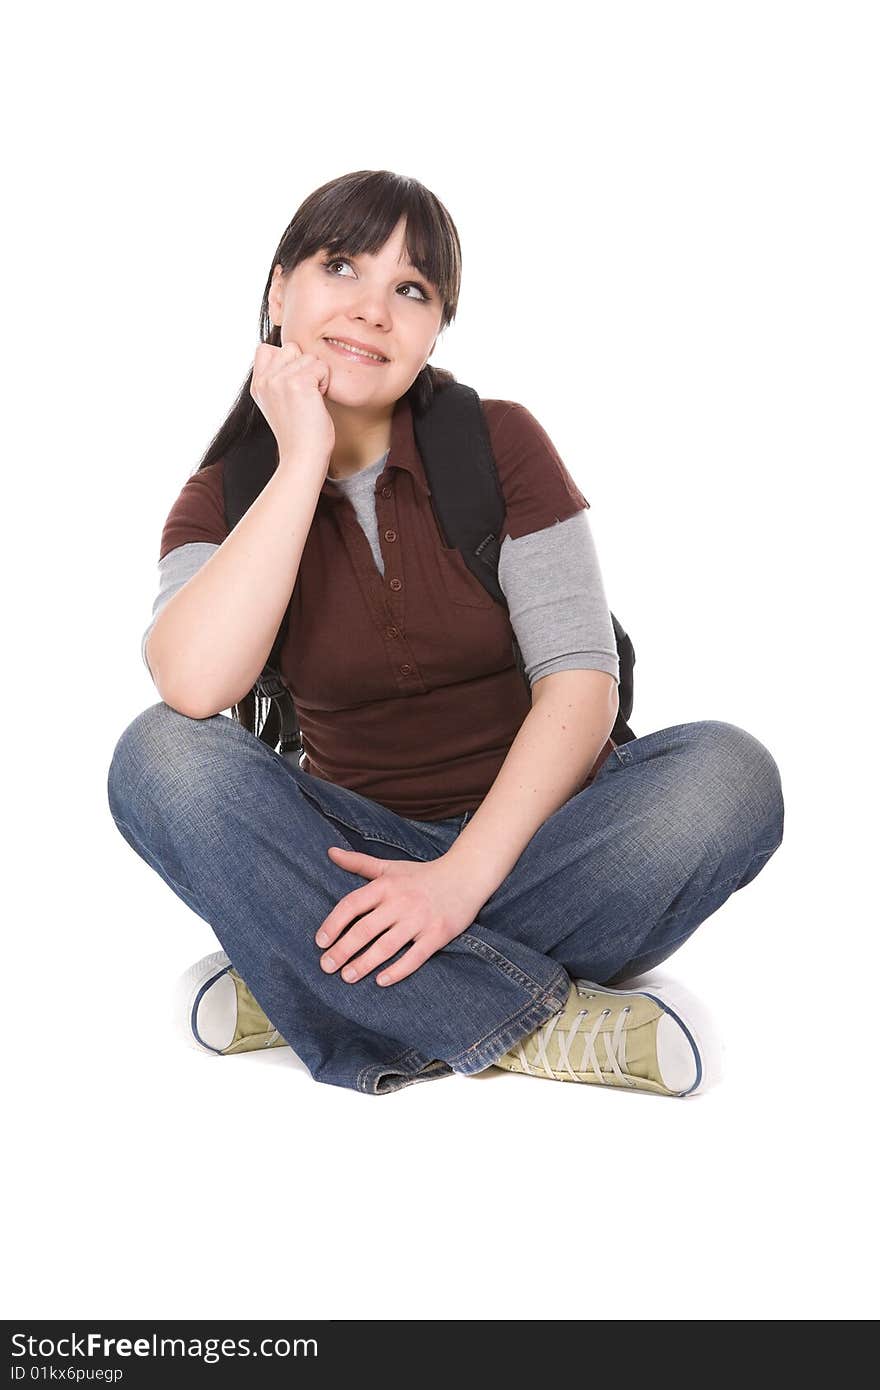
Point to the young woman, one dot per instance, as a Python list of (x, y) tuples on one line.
[(463, 871)]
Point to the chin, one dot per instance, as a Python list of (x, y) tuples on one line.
[(349, 388)]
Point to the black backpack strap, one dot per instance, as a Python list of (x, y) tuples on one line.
[(456, 450), (247, 468), (453, 442)]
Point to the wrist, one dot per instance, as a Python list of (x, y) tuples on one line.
[(303, 463), (469, 881)]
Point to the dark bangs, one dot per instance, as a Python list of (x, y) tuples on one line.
[(363, 224)]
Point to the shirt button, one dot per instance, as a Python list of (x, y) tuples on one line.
[(395, 584), (405, 669), (386, 492), (391, 535), (391, 632)]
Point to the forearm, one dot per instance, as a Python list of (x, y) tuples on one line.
[(556, 746), (211, 640)]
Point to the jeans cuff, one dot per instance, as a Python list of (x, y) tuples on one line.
[(404, 1070), (411, 1066), (538, 1010)]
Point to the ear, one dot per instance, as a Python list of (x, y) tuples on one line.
[(274, 301)]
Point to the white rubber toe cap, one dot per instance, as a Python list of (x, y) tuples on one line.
[(679, 1062), (205, 1004), (689, 1050)]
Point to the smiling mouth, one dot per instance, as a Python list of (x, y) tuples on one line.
[(341, 346)]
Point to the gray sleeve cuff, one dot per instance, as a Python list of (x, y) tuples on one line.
[(556, 599), (178, 566)]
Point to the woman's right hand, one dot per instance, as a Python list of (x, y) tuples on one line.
[(289, 386)]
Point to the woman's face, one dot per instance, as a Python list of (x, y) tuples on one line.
[(380, 301)]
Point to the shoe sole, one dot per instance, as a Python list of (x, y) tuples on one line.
[(189, 989), (692, 1016)]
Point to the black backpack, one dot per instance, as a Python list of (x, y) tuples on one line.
[(453, 441)]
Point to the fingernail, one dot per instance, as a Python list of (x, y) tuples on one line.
[(322, 939), (328, 963), (349, 973)]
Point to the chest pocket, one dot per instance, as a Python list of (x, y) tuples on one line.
[(461, 586)]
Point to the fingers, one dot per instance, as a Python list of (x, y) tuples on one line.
[(387, 921), (349, 944), (268, 352), (359, 900), (387, 945), (269, 359), (419, 952)]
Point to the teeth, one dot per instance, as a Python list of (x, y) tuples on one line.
[(348, 348)]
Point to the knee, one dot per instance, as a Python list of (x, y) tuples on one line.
[(158, 743), (747, 774)]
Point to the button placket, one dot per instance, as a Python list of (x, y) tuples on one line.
[(373, 586), (390, 535)]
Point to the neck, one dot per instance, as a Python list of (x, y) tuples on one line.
[(361, 437)]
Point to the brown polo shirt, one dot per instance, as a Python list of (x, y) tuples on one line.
[(405, 684)]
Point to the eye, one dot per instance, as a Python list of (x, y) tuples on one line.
[(410, 284)]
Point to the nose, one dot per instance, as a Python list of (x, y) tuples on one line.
[(370, 306)]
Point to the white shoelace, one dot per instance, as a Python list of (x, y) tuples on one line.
[(615, 1045)]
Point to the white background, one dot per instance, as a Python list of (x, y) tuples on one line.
[(669, 223)]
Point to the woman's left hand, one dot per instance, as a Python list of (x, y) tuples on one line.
[(406, 900)]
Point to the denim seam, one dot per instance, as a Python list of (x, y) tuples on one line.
[(427, 1073), (493, 1044), (482, 1053), (507, 967), (368, 1076), (365, 834), (541, 995), (409, 1053)]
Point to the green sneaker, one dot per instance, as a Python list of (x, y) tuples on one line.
[(653, 1036), (217, 1012)]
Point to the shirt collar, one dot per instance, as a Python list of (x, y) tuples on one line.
[(403, 452)]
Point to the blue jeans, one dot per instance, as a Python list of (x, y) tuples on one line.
[(610, 885)]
